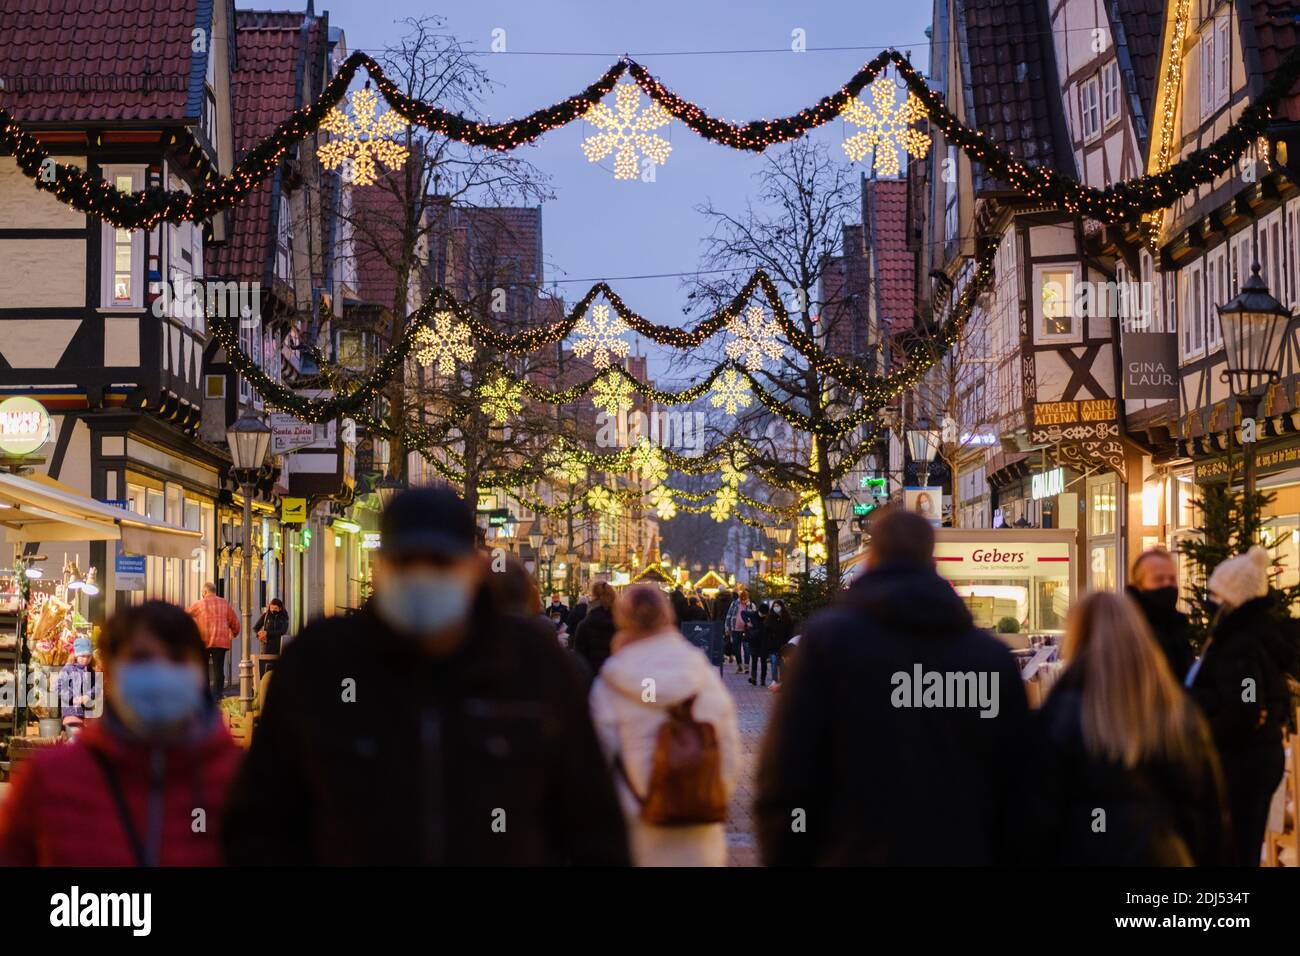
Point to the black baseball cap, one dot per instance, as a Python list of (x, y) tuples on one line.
[(431, 521)]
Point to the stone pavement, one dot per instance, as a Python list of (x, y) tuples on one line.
[(753, 705)]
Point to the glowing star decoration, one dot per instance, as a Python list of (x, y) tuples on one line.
[(602, 500), (612, 393), (626, 130), (362, 138), (444, 342), (599, 335), (755, 338), (649, 461), (887, 128), (731, 391), (661, 499), (501, 399), (724, 503)]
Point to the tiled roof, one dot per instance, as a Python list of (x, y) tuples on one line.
[(884, 211), (1015, 96), (1277, 32), (65, 61), (1143, 24)]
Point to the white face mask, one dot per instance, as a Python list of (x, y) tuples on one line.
[(422, 604)]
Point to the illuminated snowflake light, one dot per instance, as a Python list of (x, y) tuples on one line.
[(599, 335), (626, 131), (661, 499), (612, 393), (724, 503), (754, 338), (887, 128), (444, 343), (362, 138), (602, 500), (731, 391), (501, 399)]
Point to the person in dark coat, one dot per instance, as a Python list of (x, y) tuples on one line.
[(695, 610), (272, 626), (875, 775), (576, 615), (1241, 686), (778, 629), (430, 728), (592, 639), (1153, 585), (681, 608), (1130, 775), (759, 640), (557, 606)]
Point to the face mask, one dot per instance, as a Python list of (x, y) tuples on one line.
[(158, 696), (421, 604), (1165, 598)]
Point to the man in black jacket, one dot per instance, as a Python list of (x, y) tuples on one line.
[(426, 729), (1153, 584), (901, 735)]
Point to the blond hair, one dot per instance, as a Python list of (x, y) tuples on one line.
[(1133, 707)]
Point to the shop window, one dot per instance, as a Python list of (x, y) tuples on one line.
[(1102, 521)]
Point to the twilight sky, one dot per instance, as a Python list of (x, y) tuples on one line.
[(600, 228)]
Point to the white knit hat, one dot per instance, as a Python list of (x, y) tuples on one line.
[(1240, 579)]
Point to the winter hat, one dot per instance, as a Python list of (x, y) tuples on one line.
[(81, 647), (1241, 579)]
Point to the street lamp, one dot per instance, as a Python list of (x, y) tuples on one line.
[(837, 506), (923, 443), (248, 439), (548, 553), (806, 536), (1254, 324)]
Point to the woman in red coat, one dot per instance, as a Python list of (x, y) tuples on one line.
[(145, 785)]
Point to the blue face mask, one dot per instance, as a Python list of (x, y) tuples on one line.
[(423, 604), (156, 697)]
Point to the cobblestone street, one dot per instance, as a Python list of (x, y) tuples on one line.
[(753, 705)]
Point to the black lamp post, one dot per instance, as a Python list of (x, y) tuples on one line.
[(1254, 328), (837, 507), (248, 439), (548, 554)]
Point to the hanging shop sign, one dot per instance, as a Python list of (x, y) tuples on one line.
[(24, 425), (293, 510), (1150, 365), (289, 434), (1048, 484)]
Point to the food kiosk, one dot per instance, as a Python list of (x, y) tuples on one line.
[(1025, 575)]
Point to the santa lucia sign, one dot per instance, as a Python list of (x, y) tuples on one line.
[(24, 426)]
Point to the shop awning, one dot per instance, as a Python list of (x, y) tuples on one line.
[(40, 509)]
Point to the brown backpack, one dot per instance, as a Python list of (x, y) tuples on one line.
[(686, 776)]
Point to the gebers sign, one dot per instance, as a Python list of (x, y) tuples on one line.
[(1012, 559)]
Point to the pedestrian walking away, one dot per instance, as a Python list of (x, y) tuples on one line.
[(877, 777), (218, 626), (1118, 732), (668, 727), (127, 790), (1247, 648), (429, 728), (592, 639)]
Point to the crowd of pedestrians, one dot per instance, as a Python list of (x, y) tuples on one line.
[(444, 723)]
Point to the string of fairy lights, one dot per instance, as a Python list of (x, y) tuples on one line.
[(628, 133)]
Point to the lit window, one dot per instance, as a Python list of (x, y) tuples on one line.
[(1057, 299), (123, 251)]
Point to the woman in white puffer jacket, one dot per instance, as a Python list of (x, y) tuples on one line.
[(652, 667)]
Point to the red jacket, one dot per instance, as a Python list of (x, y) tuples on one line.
[(61, 812), (217, 620)]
